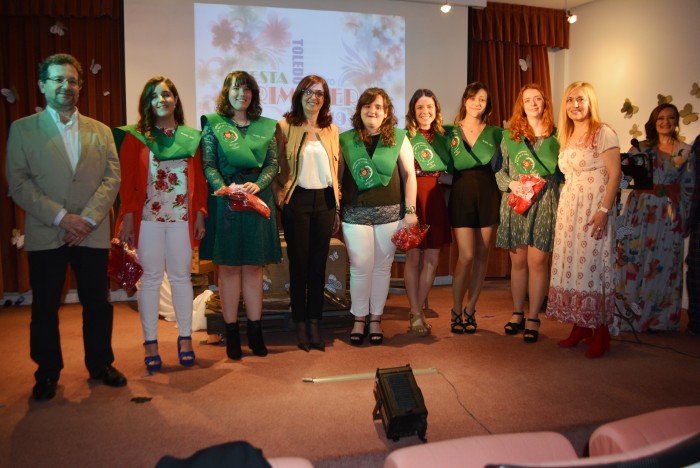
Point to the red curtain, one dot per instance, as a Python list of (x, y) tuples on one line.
[(31, 30), (500, 36)]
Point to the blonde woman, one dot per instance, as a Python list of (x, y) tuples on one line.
[(582, 289)]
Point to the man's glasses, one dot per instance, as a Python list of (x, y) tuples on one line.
[(310, 92), (59, 80)]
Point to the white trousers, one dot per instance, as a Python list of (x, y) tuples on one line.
[(371, 254), (161, 246)]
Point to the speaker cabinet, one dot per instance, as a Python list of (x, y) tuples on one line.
[(400, 403)]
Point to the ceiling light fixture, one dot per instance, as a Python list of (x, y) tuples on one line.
[(569, 17), (446, 7)]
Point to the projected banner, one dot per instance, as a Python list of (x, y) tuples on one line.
[(279, 46)]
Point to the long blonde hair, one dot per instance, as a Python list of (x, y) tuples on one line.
[(565, 128)]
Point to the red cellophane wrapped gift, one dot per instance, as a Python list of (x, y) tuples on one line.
[(124, 266), (521, 204), (240, 200), (409, 237)]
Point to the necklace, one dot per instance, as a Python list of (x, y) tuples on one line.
[(240, 124)]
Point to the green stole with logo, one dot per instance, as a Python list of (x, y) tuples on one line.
[(433, 157), (375, 171), (480, 154), (183, 144), (527, 161), (243, 152)]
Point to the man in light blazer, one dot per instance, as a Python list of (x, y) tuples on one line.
[(63, 170)]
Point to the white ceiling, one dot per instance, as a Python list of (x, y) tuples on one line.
[(556, 4)]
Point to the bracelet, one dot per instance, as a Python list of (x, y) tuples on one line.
[(410, 209), (603, 209)]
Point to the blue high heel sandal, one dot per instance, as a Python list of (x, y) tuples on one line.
[(186, 357), (153, 363)]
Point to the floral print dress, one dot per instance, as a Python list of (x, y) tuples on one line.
[(582, 289), (649, 271)]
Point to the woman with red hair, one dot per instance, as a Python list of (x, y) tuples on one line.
[(530, 154)]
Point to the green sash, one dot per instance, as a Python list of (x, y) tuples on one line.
[(370, 172), (182, 145), (430, 158), (480, 154), (527, 161), (242, 152)]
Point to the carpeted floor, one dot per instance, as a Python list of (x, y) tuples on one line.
[(483, 383)]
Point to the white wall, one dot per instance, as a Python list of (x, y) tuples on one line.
[(159, 40), (633, 49)]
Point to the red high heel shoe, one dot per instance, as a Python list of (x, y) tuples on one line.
[(577, 335), (600, 343)]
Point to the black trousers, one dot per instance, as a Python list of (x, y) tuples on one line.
[(47, 273), (307, 221)]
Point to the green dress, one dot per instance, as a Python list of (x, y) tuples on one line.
[(239, 237), (536, 227)]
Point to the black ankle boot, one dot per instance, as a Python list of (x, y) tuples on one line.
[(233, 341), (255, 338)]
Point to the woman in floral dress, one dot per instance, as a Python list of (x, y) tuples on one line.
[(650, 269), (582, 290), (163, 204)]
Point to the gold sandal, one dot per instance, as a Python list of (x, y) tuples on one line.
[(418, 325)]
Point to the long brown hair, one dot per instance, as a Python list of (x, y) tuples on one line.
[(296, 115), (386, 130), (147, 119), (469, 92), (518, 124), (650, 127), (412, 122), (239, 78)]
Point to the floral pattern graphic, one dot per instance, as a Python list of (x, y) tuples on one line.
[(166, 195), (277, 46)]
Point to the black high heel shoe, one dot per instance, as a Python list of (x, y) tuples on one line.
[(378, 337), (356, 339), (315, 341), (456, 326), (513, 328), (469, 322), (530, 336), (302, 337)]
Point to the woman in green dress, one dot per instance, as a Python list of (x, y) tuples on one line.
[(239, 147), (530, 153)]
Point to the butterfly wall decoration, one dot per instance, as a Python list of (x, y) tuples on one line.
[(688, 115), (635, 131), (664, 99), (10, 94), (58, 29), (525, 63), (695, 90), (95, 67), (629, 109)]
